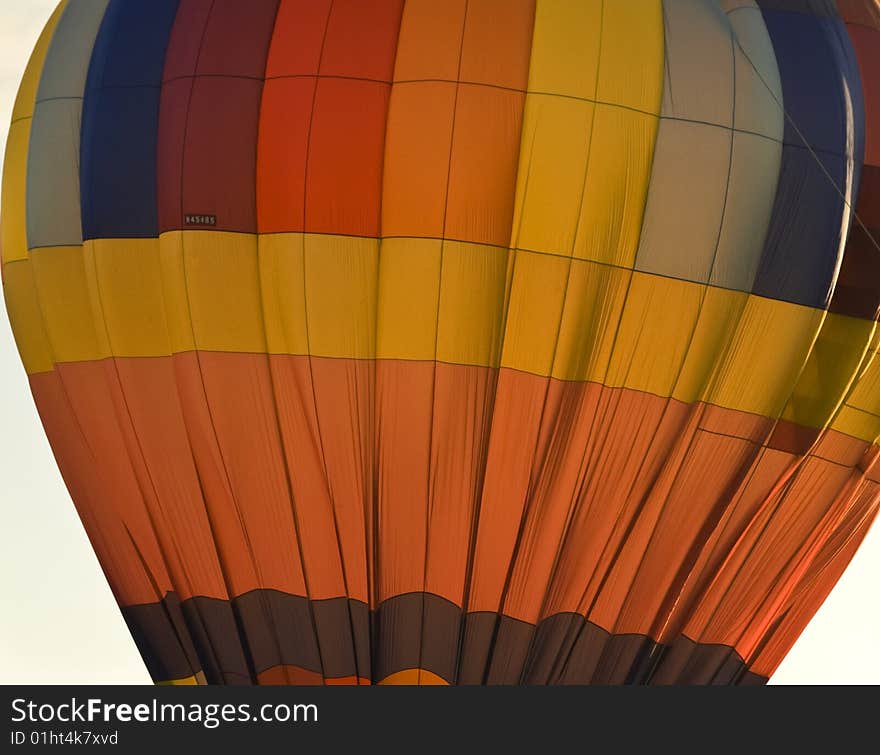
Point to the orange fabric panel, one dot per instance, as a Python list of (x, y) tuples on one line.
[(631, 434), (462, 409), (347, 681), (95, 494), (223, 393), (452, 149), (837, 555), (349, 52), (282, 150), (515, 429), (497, 43), (419, 142), (430, 40), (769, 556), (691, 495), (344, 169), (289, 675), (159, 440), (482, 171), (298, 423), (343, 397), (321, 142), (298, 38), (560, 462), (403, 438)]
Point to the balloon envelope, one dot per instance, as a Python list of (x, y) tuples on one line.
[(460, 341)]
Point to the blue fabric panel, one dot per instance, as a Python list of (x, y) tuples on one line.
[(822, 157), (121, 120)]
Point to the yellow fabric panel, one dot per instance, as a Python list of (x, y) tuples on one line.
[(534, 310), (26, 318), (27, 90), (281, 283), (614, 197), (632, 61), (414, 676), (832, 368), (765, 356), (64, 283), (594, 302), (340, 285), (565, 47), (716, 327), (198, 679), (472, 298), (13, 229), (584, 168), (174, 288), (13, 237), (860, 415), (222, 286), (654, 334), (127, 296), (857, 423), (552, 167), (409, 286)]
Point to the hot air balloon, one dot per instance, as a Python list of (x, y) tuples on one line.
[(455, 341)]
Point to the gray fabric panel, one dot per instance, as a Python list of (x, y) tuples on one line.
[(53, 206), (758, 84), (53, 201), (750, 196), (685, 200), (712, 189), (69, 54), (698, 84), (686, 196)]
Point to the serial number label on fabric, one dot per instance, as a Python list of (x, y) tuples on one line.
[(200, 219)]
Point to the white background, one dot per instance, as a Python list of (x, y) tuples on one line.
[(59, 622)]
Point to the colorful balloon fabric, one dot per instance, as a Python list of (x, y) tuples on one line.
[(455, 341)]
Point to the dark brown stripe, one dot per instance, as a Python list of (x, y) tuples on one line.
[(234, 641)]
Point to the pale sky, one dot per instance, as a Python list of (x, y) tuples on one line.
[(59, 622)]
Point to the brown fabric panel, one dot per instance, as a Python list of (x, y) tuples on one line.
[(510, 648), (476, 648), (162, 638), (343, 635), (216, 636), (857, 292), (864, 12), (793, 438), (279, 630), (686, 662), (397, 629), (441, 630), (414, 631)]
